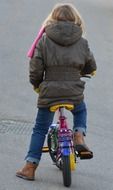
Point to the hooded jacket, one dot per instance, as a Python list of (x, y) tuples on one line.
[(60, 57)]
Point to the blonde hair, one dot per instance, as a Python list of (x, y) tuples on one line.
[(65, 12)]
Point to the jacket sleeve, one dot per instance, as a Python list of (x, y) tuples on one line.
[(90, 63), (36, 66)]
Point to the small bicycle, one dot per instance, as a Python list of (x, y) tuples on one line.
[(60, 144)]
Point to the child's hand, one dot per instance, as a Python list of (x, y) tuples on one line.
[(36, 89), (88, 74), (93, 73)]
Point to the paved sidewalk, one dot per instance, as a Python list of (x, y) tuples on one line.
[(13, 147), (96, 173)]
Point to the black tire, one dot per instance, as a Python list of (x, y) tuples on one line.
[(51, 152), (66, 171)]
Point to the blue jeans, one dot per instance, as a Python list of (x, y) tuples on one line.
[(43, 120)]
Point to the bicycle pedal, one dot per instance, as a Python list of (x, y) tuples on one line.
[(45, 149), (85, 155)]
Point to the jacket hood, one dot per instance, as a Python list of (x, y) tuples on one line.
[(63, 32)]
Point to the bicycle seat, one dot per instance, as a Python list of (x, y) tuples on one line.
[(66, 106)]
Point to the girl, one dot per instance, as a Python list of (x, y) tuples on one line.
[(60, 58)]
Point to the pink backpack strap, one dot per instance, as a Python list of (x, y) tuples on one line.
[(39, 35)]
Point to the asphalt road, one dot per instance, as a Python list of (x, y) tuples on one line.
[(19, 23)]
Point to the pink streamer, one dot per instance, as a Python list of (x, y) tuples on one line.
[(39, 35)]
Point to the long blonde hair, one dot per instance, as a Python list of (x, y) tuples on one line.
[(65, 12)]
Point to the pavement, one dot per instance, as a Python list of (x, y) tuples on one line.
[(19, 23)]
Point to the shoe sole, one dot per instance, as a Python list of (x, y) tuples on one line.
[(83, 152), (25, 178)]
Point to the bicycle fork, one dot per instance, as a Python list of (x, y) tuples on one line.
[(65, 142)]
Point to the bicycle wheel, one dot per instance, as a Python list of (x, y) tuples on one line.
[(66, 170), (52, 144)]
